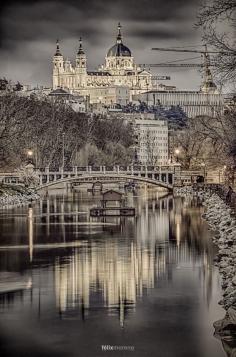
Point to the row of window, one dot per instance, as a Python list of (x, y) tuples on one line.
[(154, 138), (145, 157), (160, 150), (154, 131), (153, 144)]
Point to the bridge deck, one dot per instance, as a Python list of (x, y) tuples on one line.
[(156, 175)]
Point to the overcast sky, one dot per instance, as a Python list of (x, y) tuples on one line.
[(29, 30)]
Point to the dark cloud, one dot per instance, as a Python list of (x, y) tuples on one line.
[(29, 30)]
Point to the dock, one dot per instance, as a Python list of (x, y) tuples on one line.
[(117, 210), (112, 211)]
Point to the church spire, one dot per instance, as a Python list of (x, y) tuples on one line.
[(80, 51), (58, 52), (119, 36)]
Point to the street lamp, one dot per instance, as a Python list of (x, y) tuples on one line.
[(177, 151), (30, 155), (224, 170), (204, 170)]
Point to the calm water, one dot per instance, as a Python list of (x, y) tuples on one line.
[(70, 285)]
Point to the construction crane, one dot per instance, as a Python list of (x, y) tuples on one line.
[(206, 64), (175, 65), (182, 50), (161, 78), (205, 54)]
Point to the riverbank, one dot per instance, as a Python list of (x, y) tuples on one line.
[(16, 195), (222, 220)]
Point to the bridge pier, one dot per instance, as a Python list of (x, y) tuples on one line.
[(177, 174), (61, 170), (167, 177)]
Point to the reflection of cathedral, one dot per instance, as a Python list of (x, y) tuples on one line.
[(121, 274), (119, 70), (121, 271)]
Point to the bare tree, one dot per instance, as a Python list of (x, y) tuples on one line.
[(222, 132), (217, 19), (192, 142), (211, 140), (53, 130)]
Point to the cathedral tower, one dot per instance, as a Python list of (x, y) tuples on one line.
[(81, 66), (58, 67)]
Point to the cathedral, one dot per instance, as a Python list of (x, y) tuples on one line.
[(119, 70)]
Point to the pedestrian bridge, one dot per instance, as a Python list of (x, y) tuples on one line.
[(162, 176), (158, 176)]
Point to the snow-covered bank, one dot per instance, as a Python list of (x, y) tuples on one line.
[(15, 196), (222, 220)]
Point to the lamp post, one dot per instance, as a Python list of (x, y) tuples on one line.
[(204, 170), (224, 168), (177, 151), (30, 155)]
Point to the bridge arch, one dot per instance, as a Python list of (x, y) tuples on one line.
[(105, 178)]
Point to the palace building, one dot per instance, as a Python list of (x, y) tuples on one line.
[(207, 101), (118, 70)]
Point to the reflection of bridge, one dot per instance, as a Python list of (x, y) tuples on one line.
[(158, 176), (163, 176)]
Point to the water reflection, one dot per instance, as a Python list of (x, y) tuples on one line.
[(106, 266), (126, 259), (31, 233)]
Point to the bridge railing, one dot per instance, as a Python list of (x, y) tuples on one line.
[(128, 169), (164, 174)]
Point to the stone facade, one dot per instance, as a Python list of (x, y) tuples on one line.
[(193, 103), (151, 140)]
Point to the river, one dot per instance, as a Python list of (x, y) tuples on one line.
[(71, 285)]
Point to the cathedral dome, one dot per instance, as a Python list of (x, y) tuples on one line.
[(119, 50)]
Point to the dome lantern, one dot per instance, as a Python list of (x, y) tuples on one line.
[(119, 36)]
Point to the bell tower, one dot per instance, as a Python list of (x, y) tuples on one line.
[(58, 67), (81, 66)]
